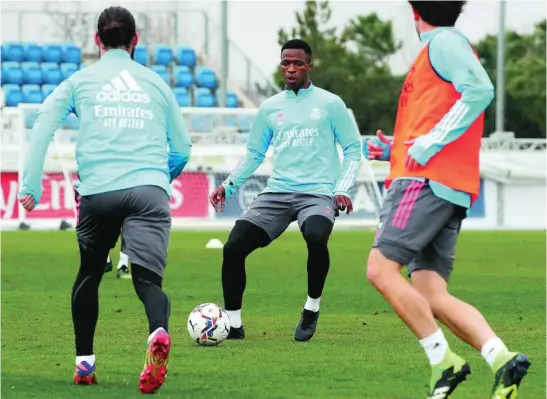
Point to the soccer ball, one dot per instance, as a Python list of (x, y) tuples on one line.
[(208, 324)]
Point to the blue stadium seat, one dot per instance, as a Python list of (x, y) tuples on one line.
[(72, 54), (205, 77), (141, 54), (52, 52), (32, 52), (68, 69), (51, 73), (162, 71), (186, 56), (12, 73), (204, 98), (13, 95), (183, 76), (13, 52), (32, 94), (163, 55), (2, 52), (231, 99), (32, 73), (182, 95), (47, 89)]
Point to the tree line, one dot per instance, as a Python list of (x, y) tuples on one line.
[(353, 63)]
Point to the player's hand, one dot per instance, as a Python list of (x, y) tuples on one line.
[(377, 148), (343, 203), (28, 202), (411, 165), (219, 195)]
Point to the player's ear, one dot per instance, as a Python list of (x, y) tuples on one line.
[(98, 40), (310, 66), (135, 40)]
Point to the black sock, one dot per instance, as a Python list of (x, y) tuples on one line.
[(85, 299), (156, 302), (244, 238), (316, 231)]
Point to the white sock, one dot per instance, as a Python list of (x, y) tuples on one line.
[(312, 304), (235, 318), (108, 259), (124, 260), (90, 359), (435, 347), (491, 349), (154, 334)]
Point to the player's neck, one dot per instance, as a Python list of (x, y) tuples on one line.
[(424, 27), (306, 85)]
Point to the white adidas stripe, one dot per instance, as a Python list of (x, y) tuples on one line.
[(118, 84), (123, 82), (349, 178), (446, 125), (130, 81)]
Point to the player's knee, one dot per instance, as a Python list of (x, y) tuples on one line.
[(232, 249), (379, 269), (244, 239), (316, 231), (92, 261), (142, 277)]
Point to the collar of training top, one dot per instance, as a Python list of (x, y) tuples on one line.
[(427, 36), (301, 92), (116, 53)]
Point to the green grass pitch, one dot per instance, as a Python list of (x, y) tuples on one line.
[(361, 349)]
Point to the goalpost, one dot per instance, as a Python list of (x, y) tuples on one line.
[(219, 136)]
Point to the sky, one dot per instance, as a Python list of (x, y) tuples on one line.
[(253, 25)]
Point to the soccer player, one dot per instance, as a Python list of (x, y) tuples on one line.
[(303, 124), (434, 180), (128, 116)]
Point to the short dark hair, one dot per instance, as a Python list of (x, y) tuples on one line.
[(297, 44), (116, 27), (438, 13)]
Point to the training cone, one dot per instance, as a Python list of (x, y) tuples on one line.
[(214, 244)]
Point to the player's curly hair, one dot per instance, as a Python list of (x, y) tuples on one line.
[(438, 13), (116, 27), (297, 44)]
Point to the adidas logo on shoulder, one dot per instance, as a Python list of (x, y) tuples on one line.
[(123, 88)]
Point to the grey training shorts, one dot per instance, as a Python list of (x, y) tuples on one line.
[(143, 216), (418, 229), (273, 212)]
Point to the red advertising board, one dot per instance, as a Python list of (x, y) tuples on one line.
[(189, 197)]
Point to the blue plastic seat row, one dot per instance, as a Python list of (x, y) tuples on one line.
[(30, 72), (35, 94), (203, 97), (50, 52), (164, 55), (31, 94), (183, 77)]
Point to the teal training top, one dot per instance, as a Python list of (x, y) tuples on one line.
[(303, 130), (131, 130)]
